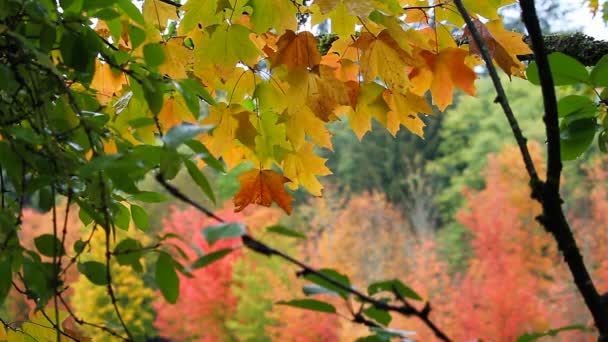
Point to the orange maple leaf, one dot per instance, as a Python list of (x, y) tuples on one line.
[(106, 82), (296, 50), (443, 72), (262, 187), (503, 46)]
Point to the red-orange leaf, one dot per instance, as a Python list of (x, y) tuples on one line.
[(296, 50), (443, 72), (262, 187), (503, 46)]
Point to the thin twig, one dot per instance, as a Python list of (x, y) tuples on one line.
[(502, 97)]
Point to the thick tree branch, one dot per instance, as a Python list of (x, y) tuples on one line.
[(262, 248), (585, 49), (553, 217), (547, 194)]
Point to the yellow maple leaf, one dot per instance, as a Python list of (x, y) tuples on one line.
[(229, 127), (174, 112), (106, 82), (383, 58), (369, 104), (159, 13), (404, 110), (262, 187), (303, 166), (319, 89), (441, 73), (302, 121), (178, 59), (296, 51)]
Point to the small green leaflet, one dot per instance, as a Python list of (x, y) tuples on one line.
[(166, 277), (564, 69), (209, 258), (334, 275), (222, 231), (309, 304), (392, 286), (49, 245), (179, 134), (200, 179), (94, 271), (282, 230)]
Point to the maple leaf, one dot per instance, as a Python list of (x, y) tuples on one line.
[(384, 58), (503, 46), (342, 22), (441, 73), (370, 103), (106, 82), (174, 112), (319, 89), (230, 125), (303, 167), (271, 139), (262, 187), (404, 109), (158, 12), (268, 14), (296, 51), (230, 44), (302, 121), (177, 58)]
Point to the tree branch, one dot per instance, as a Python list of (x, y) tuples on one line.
[(502, 96), (585, 49), (553, 218), (547, 194)]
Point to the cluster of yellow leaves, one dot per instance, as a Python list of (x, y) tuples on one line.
[(275, 92)]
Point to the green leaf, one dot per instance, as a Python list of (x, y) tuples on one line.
[(128, 252), (372, 338), (599, 74), (333, 274), (311, 290), (94, 271), (576, 107), (392, 286), (148, 197), (48, 245), (222, 231), (282, 230), (153, 54), (166, 277), (179, 134), (137, 36), (552, 332), (200, 179), (564, 69), (140, 217), (205, 155), (191, 90), (122, 218), (153, 93), (210, 258), (380, 316), (132, 11), (576, 137), (309, 304), (79, 246)]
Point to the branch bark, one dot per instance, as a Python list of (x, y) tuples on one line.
[(547, 193), (585, 49)]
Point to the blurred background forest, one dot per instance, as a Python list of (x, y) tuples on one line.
[(450, 216)]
